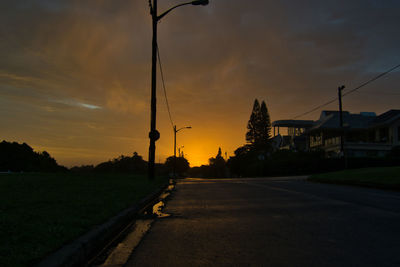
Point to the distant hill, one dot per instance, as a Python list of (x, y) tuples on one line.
[(17, 157)]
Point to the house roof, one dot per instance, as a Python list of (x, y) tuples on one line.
[(352, 121), (326, 113), (293, 123), (330, 119), (386, 118)]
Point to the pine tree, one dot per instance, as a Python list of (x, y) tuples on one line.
[(259, 127), (252, 124), (265, 123)]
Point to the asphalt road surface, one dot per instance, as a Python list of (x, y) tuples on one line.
[(273, 222)]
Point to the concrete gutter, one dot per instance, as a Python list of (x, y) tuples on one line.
[(79, 251)]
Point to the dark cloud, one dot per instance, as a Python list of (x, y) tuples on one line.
[(58, 56)]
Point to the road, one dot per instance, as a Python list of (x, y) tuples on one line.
[(273, 222)]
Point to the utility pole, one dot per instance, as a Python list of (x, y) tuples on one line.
[(342, 150), (154, 135), (174, 169)]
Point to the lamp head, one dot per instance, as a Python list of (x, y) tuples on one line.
[(200, 2)]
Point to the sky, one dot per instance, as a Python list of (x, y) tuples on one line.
[(75, 75)]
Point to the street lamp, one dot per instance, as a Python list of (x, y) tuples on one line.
[(154, 135), (175, 131)]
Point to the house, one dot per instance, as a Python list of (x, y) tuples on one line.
[(295, 138), (364, 134)]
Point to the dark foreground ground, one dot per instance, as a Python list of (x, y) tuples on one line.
[(273, 222), (40, 212)]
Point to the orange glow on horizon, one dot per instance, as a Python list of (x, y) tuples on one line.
[(198, 152), (77, 83)]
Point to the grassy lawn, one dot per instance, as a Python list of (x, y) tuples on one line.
[(41, 212), (385, 178)]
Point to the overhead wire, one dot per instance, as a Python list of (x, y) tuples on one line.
[(348, 92), (164, 88), (370, 81), (316, 108), (374, 93)]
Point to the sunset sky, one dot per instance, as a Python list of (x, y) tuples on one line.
[(75, 75)]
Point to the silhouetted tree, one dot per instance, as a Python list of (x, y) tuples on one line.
[(182, 165), (239, 163), (265, 123), (134, 164), (21, 157), (249, 160), (259, 127), (218, 165), (251, 135), (202, 171)]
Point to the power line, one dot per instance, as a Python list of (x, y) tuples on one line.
[(316, 108), (370, 81), (165, 90), (375, 93), (348, 92)]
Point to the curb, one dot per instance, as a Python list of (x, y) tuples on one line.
[(80, 250)]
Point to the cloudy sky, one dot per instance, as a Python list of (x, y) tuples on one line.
[(75, 75)]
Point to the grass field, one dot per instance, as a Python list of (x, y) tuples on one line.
[(41, 212), (384, 178)]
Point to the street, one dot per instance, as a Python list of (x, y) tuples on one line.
[(273, 222)]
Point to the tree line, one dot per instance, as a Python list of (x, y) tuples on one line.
[(135, 164), (17, 157)]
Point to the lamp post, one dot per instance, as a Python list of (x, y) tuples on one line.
[(175, 131), (154, 135)]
